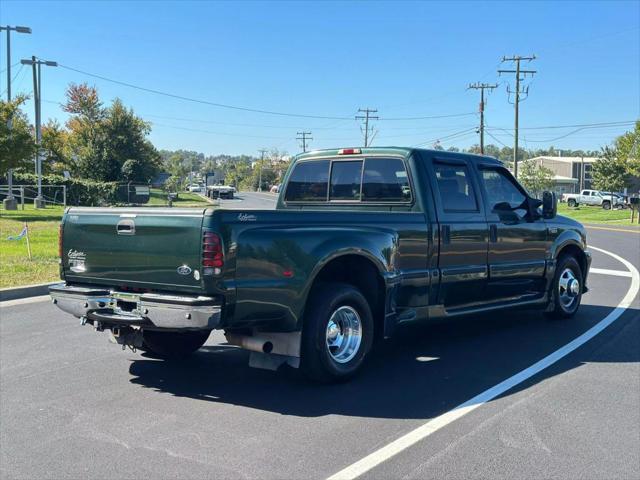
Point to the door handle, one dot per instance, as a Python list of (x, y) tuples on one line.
[(493, 233), (446, 234), (126, 227)]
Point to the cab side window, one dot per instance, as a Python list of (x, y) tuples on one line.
[(455, 188), (308, 182), (501, 188)]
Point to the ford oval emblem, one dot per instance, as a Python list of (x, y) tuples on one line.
[(184, 270)]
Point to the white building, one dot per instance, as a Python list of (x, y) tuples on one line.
[(570, 174)]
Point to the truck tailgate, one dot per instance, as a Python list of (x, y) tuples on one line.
[(127, 247)]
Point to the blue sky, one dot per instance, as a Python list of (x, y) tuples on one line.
[(330, 58)]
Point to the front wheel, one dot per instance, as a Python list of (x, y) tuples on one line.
[(337, 333), (606, 205), (173, 344), (566, 289)]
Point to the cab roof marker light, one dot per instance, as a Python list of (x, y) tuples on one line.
[(349, 151)]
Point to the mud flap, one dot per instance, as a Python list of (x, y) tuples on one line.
[(272, 361)]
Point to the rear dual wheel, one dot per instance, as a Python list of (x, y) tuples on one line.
[(337, 333)]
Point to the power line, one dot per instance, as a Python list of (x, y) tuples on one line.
[(446, 137), (594, 125), (497, 140), (427, 117), (518, 71), (215, 133), (366, 117), (482, 87), (14, 77), (303, 136), (241, 108), (13, 65), (204, 102)]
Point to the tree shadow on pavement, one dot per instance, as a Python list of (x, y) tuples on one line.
[(423, 371)]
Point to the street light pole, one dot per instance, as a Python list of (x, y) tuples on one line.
[(10, 202), (36, 63)]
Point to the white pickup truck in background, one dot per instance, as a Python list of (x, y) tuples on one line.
[(594, 197)]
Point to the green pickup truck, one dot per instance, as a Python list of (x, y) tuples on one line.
[(361, 241)]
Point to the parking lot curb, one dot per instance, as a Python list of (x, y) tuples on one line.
[(25, 291)]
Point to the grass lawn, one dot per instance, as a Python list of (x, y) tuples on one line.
[(15, 267), (585, 214)]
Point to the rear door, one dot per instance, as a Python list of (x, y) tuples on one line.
[(150, 248), (517, 242), (463, 232)]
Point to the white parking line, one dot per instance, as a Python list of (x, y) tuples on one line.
[(379, 456), (606, 271)]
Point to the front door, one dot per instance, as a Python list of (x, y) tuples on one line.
[(463, 232), (517, 240)]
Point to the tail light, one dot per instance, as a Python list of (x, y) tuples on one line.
[(212, 256), (60, 242)]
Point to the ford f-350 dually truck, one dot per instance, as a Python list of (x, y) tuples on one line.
[(361, 241)]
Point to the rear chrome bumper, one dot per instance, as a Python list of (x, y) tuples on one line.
[(161, 311)]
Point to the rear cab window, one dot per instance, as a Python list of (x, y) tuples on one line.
[(354, 180)]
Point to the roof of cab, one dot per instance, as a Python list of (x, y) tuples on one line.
[(402, 151)]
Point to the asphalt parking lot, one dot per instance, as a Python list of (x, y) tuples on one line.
[(72, 405)]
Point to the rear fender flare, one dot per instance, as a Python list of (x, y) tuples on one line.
[(379, 248)]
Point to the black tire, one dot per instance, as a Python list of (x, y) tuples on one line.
[(561, 309), (173, 344), (606, 205), (572, 203), (317, 361)]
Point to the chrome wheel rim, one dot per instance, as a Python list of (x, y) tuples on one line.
[(568, 288), (344, 334)]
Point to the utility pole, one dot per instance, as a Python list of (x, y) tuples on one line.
[(10, 203), (303, 136), (36, 63), (482, 87), (366, 117), (518, 71), (262, 152)]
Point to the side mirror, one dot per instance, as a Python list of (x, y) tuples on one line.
[(549, 205)]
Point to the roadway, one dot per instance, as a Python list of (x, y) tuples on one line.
[(72, 405)]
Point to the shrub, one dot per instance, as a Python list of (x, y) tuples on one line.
[(82, 192)]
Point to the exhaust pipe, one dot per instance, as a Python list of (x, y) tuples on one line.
[(252, 343)]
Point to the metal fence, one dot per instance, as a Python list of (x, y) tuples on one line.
[(52, 194)]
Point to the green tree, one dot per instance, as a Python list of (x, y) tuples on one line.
[(17, 146), (628, 150), (54, 146), (535, 178), (176, 166), (609, 172), (102, 139)]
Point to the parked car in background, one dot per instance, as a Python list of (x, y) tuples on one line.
[(194, 188), (593, 197), (361, 241), (220, 191)]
